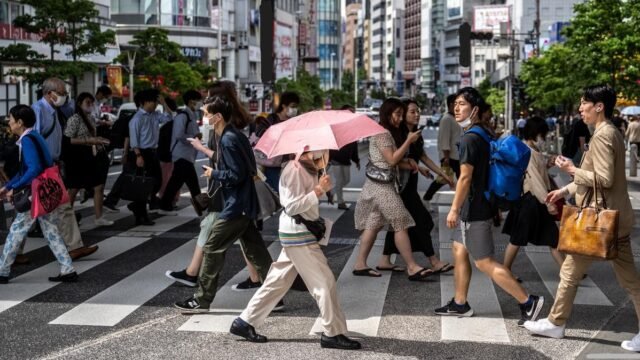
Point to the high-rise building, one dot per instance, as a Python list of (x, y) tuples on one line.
[(394, 45), (329, 42), (376, 42), (350, 44), (412, 45)]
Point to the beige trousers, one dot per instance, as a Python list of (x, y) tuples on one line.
[(68, 227), (573, 269), (311, 264)]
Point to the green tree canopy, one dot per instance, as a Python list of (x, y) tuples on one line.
[(307, 86)]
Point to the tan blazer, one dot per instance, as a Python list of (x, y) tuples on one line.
[(605, 158)]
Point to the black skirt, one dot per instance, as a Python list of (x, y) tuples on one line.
[(529, 222)]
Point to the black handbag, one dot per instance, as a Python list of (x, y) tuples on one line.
[(317, 227), (379, 175), (22, 200), (136, 187)]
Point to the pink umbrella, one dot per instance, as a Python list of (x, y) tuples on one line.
[(317, 130)]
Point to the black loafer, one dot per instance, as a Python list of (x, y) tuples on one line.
[(339, 342), (4, 279), (242, 329), (71, 277), (144, 221)]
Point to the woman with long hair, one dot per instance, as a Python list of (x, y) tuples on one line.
[(419, 235), (379, 203), (86, 154)]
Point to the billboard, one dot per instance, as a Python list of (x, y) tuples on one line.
[(488, 18), (454, 9), (114, 77), (283, 48)]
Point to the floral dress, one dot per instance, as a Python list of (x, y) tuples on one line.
[(380, 204)]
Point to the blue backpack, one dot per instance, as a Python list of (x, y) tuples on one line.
[(509, 158)]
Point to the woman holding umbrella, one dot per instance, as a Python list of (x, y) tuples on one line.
[(379, 203), (300, 193)]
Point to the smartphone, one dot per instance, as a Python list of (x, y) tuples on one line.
[(421, 127), (190, 139)]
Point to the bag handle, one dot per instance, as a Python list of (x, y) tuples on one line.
[(594, 191)]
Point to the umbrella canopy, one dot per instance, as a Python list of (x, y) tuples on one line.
[(631, 110), (317, 130)]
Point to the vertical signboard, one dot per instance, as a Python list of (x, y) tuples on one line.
[(282, 48), (114, 76)]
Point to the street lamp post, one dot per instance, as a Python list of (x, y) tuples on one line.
[(131, 57), (355, 83), (331, 75)]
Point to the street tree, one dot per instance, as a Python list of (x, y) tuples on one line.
[(307, 86), (65, 23)]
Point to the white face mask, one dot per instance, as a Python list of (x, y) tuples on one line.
[(292, 112), (467, 122), (87, 109), (60, 100)]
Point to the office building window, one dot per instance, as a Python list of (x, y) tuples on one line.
[(328, 28), (185, 13), (325, 50)]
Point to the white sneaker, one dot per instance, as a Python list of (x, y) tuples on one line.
[(167, 212), (633, 344), (103, 222), (544, 327)]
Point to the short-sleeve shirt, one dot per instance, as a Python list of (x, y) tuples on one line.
[(474, 151)]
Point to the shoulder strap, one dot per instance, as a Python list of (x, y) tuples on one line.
[(251, 166), (50, 131), (481, 132)]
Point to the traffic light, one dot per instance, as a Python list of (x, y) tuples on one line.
[(464, 34), (247, 92)]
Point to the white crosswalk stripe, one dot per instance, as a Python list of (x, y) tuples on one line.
[(362, 299)]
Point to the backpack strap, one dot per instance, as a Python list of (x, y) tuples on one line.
[(41, 157), (478, 130), (186, 124)]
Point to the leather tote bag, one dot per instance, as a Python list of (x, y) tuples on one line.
[(589, 231)]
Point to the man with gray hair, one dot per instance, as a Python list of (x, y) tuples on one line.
[(50, 122)]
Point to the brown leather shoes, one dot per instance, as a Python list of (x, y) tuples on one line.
[(82, 252), (22, 260)]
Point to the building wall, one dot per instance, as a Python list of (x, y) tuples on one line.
[(349, 48), (412, 40), (329, 42)]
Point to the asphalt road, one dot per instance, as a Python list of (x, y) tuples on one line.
[(122, 306)]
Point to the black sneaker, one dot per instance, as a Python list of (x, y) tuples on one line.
[(279, 306), (453, 309), (246, 285), (531, 312), (190, 306), (110, 208), (182, 277)]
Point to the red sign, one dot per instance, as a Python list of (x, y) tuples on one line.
[(302, 33), (253, 106), (9, 32)]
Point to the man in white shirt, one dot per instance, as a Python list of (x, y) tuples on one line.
[(449, 133)]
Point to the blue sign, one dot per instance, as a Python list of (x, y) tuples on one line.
[(556, 33)]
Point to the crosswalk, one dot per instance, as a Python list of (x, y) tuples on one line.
[(363, 299)]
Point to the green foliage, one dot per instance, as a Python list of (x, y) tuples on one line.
[(484, 87), (378, 94), (495, 98), (60, 23), (603, 46), (153, 45), (307, 87), (339, 98)]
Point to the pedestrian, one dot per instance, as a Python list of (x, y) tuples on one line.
[(520, 124), (300, 193), (144, 131), (448, 140), (604, 160), (86, 156), (532, 220), (164, 150), (340, 167), (633, 133), (235, 172), (240, 118), (471, 216), (49, 124), (120, 133), (379, 203), (420, 234), (287, 108), (576, 140), (183, 154), (34, 159)]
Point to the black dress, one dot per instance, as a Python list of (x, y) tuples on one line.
[(529, 222), (420, 235)]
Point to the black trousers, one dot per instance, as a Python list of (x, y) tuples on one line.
[(152, 169), (435, 186), (183, 172)]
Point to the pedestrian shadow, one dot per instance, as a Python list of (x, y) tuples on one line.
[(395, 348)]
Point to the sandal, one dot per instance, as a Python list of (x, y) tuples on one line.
[(443, 269), (421, 274), (393, 268), (366, 272)]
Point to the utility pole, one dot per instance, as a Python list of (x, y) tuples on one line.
[(219, 39), (355, 82), (536, 28), (132, 61)]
